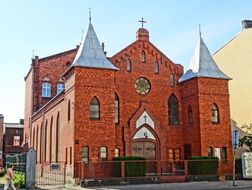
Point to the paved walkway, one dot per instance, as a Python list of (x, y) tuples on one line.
[(239, 185)]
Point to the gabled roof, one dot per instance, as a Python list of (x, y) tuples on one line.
[(202, 65), (90, 53)]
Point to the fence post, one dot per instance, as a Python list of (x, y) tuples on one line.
[(122, 169), (64, 164), (186, 167)]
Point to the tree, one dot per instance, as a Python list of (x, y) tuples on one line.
[(246, 140)]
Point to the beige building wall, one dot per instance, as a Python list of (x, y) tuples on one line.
[(235, 60)]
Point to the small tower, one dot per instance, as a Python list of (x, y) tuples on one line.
[(90, 86), (205, 99)]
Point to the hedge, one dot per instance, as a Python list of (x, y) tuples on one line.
[(202, 165), (131, 168)]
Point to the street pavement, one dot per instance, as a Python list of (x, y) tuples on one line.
[(225, 185)]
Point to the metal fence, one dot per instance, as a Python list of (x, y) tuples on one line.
[(18, 160), (51, 173), (108, 169), (122, 169)]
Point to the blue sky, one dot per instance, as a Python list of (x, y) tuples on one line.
[(52, 26)]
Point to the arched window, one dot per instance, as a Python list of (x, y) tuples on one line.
[(103, 153), (46, 89), (143, 57), (60, 87), (85, 154), (117, 152), (210, 151), (33, 138), (116, 108), (37, 142), (57, 137), (172, 83), (190, 115), (214, 113), (129, 65), (51, 130), (45, 142), (173, 110), (156, 67), (69, 111), (40, 144), (94, 108), (224, 154), (66, 156)]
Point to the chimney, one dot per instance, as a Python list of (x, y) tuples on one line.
[(246, 24), (142, 34)]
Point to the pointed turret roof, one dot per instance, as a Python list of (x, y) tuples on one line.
[(202, 65), (90, 53)]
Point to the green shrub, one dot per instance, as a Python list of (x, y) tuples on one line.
[(131, 168), (19, 179), (202, 165)]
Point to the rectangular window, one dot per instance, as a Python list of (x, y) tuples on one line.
[(170, 154), (103, 153), (70, 154), (224, 154), (16, 141), (66, 156), (85, 154), (60, 87), (174, 154), (46, 90), (117, 152), (177, 154)]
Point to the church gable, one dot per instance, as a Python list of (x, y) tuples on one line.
[(144, 52)]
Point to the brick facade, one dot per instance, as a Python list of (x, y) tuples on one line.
[(137, 112)]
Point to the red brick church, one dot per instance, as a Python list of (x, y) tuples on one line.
[(82, 105)]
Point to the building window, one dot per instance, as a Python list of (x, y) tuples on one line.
[(85, 154), (70, 154), (214, 114), (57, 138), (177, 154), (143, 57), (190, 115), (173, 110), (129, 65), (33, 139), (45, 142), (16, 140), (174, 154), (170, 154), (210, 151), (172, 83), (46, 89), (60, 87), (103, 153), (94, 108), (69, 110), (117, 152), (116, 108), (66, 156), (51, 130), (224, 153), (156, 67)]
